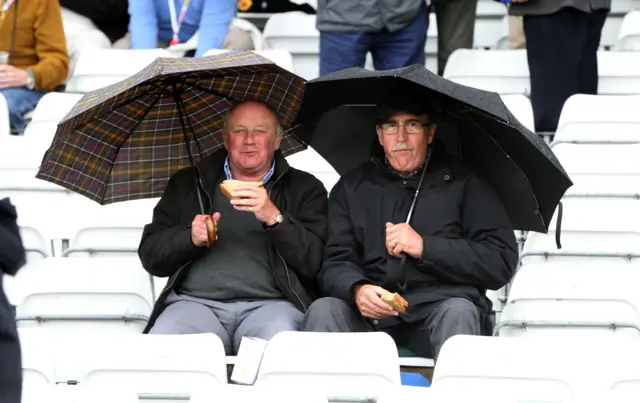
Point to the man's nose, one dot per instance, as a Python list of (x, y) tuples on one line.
[(249, 138), (402, 134)]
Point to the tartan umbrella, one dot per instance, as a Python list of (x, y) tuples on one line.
[(123, 142)]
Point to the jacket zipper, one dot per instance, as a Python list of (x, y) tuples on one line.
[(286, 268)]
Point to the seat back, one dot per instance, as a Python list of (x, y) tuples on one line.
[(334, 364), (5, 128), (520, 106), (312, 162), (571, 299), (51, 109), (618, 73), (76, 394), (111, 294), (629, 36), (38, 360), (296, 33)]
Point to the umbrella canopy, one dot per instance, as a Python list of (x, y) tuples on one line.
[(123, 142), (337, 120)]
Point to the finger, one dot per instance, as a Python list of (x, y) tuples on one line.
[(216, 218), (380, 306), (398, 249), (246, 192), (245, 202)]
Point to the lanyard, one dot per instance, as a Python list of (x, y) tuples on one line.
[(177, 22)]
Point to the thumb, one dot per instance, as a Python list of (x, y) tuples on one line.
[(388, 224), (379, 290), (216, 218)]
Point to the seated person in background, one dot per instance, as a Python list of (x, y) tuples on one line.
[(34, 55), (459, 242), (161, 23), (261, 274)]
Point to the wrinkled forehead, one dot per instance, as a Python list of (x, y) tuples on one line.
[(251, 114), (398, 117)]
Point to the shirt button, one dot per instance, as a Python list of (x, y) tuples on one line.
[(375, 321)]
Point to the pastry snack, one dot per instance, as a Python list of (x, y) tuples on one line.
[(229, 185), (398, 303)]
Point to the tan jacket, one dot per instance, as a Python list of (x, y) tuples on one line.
[(40, 44)]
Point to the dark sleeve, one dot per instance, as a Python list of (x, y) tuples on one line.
[(341, 270), (300, 238), (166, 245), (488, 256), (12, 254)]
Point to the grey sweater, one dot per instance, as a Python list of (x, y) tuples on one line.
[(366, 16), (238, 267)]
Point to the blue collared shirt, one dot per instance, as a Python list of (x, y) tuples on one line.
[(227, 170)]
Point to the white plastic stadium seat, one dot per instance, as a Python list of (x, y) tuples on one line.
[(629, 36), (501, 71), (335, 364), (606, 229), (310, 161), (296, 33), (618, 73), (51, 109), (599, 119), (488, 24), (38, 359), (153, 365), (76, 394), (520, 106), (571, 299), (251, 394), (81, 293), (5, 128), (102, 67), (601, 169), (279, 56)]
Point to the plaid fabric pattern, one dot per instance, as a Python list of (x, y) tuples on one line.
[(123, 142)]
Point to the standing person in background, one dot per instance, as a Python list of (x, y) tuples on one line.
[(456, 24), (161, 23), (35, 55), (394, 31), (562, 40), (12, 257)]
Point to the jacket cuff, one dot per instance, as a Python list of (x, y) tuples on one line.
[(351, 281), (184, 243), (432, 247)]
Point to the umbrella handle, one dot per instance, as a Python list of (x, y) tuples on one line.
[(212, 233)]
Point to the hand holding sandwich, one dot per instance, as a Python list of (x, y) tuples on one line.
[(248, 197), (199, 233), (368, 299)]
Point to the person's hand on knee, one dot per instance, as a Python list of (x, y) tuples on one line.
[(367, 298)]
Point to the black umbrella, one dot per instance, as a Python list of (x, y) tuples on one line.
[(336, 119)]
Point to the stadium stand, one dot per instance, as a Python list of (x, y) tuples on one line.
[(83, 292)]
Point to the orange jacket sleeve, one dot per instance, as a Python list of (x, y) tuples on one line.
[(51, 47)]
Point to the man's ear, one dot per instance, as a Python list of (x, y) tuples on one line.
[(379, 132), (431, 133), (279, 136)]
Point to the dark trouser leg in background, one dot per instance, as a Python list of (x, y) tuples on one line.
[(341, 50), (404, 47), (334, 315), (10, 357), (556, 47), (448, 318), (456, 23)]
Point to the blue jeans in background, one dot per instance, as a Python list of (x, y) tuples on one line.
[(390, 50), (20, 102)]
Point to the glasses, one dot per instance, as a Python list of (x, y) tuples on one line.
[(410, 127)]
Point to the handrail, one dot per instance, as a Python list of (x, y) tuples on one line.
[(568, 253), (127, 317), (91, 249), (543, 323)]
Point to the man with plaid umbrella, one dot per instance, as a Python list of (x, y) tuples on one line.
[(260, 275)]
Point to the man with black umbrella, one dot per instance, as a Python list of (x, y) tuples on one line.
[(457, 243)]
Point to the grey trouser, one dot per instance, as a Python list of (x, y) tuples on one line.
[(228, 320), (456, 22), (445, 319)]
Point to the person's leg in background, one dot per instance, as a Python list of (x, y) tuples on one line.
[(404, 47), (238, 38), (555, 45), (341, 50), (516, 33), (10, 357), (20, 101), (456, 23), (589, 64)]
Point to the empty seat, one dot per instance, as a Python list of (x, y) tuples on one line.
[(488, 24), (601, 169), (501, 71), (279, 56), (592, 227), (38, 360), (599, 119), (111, 294), (618, 73), (520, 106), (296, 33), (102, 67), (310, 161), (153, 366), (335, 364), (76, 394), (573, 300), (51, 109), (5, 128), (629, 35), (252, 394)]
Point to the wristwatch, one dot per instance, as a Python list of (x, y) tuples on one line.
[(279, 219), (31, 81)]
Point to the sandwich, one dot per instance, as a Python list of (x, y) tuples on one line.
[(211, 230), (228, 186), (398, 303)]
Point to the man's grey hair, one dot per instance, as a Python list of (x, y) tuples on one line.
[(225, 125)]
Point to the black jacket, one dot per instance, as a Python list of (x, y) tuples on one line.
[(469, 243), (297, 243), (12, 257)]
